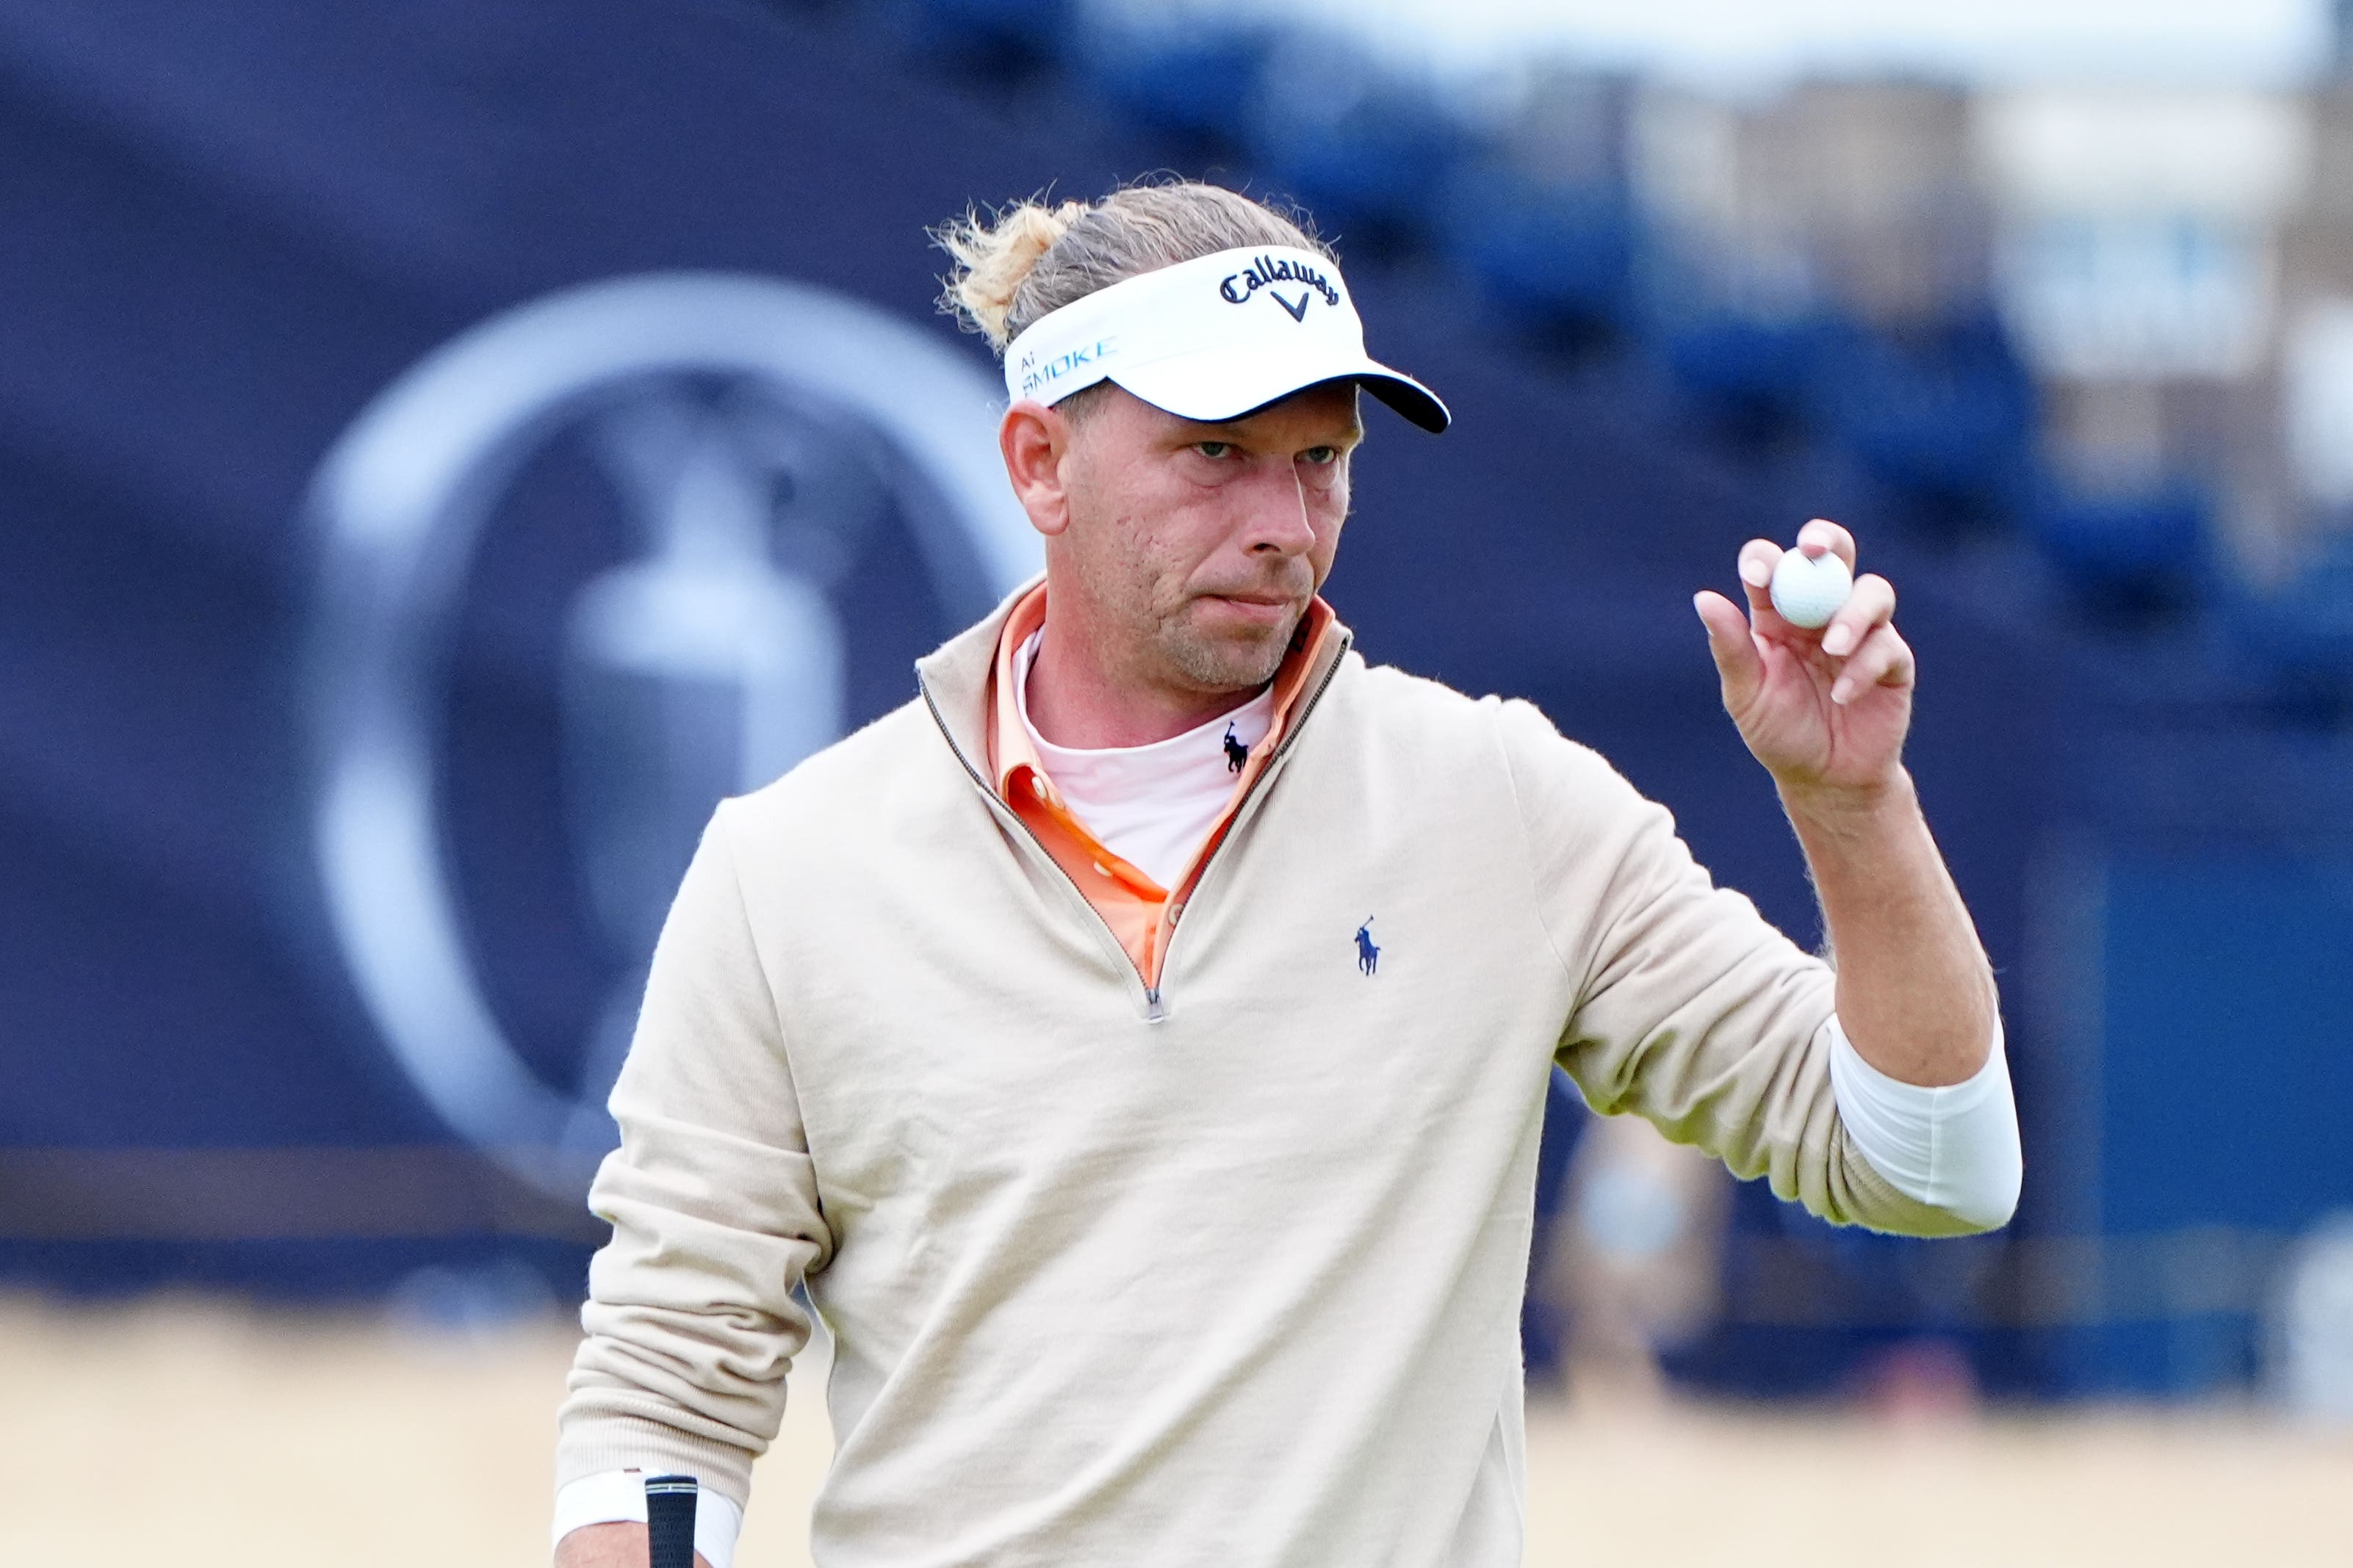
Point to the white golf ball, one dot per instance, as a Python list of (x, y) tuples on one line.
[(1808, 589)]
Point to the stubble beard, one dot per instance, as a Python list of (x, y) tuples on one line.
[(1221, 664), (1130, 592)]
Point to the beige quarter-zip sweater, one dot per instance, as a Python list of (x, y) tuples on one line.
[(1227, 1270)]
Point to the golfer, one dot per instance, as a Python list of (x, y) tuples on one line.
[(1136, 1044)]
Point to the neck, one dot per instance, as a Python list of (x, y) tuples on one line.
[(1080, 699)]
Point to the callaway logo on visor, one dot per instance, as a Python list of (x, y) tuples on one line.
[(1174, 339), (1265, 272)]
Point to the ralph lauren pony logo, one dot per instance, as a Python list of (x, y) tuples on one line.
[(1236, 752), (1266, 272), (1368, 957)]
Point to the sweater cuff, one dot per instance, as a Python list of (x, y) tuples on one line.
[(618, 1437), (611, 1497), (1954, 1148)]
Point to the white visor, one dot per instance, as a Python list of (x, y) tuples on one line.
[(1212, 338)]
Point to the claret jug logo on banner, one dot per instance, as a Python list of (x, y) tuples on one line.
[(585, 571)]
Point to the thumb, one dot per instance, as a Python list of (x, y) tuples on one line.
[(1737, 663)]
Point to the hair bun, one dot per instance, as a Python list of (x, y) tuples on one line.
[(995, 255)]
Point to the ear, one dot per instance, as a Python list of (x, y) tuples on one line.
[(1035, 443)]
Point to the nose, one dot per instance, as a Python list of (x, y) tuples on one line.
[(1278, 520)]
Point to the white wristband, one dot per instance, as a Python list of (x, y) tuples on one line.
[(1954, 1148), (618, 1497)]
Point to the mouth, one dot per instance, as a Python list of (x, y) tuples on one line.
[(1266, 609)]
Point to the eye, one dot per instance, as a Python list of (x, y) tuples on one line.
[(1321, 457), (1213, 449)]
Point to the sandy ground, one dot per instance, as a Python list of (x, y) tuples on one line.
[(200, 1433)]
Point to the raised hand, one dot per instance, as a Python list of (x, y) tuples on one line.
[(1825, 711)]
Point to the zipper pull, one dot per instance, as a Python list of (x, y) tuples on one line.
[(1154, 1012)]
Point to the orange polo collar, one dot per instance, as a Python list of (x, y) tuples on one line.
[(1140, 912)]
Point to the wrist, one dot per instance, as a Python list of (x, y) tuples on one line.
[(1846, 809)]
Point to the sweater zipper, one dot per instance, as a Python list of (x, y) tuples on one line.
[(1153, 1012), (1155, 1009)]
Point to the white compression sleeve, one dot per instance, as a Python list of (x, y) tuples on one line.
[(1954, 1148), (611, 1497)]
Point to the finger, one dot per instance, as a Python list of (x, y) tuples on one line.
[(1870, 603), (1822, 536), (1885, 659), (1757, 559), (1737, 663)]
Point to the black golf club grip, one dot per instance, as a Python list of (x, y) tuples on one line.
[(670, 1522)]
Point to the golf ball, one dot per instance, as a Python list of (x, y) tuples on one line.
[(1808, 589)]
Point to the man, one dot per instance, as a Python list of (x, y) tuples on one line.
[(1159, 1211)]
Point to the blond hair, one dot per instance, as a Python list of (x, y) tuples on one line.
[(1020, 262)]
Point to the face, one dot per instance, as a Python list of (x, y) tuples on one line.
[(1189, 551)]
